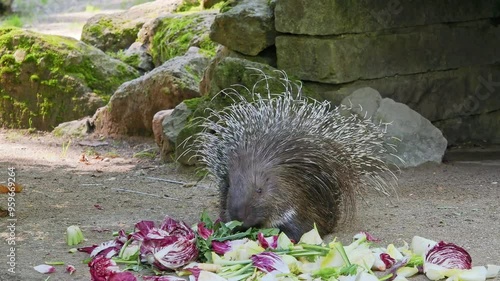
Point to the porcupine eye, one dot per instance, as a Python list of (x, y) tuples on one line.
[(259, 190)]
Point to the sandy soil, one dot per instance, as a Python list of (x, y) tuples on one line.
[(456, 202)]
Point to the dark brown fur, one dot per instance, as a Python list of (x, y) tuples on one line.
[(301, 174)]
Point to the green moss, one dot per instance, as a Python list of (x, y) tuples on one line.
[(7, 59), (225, 5), (30, 58), (5, 30), (196, 75), (207, 46), (19, 114), (12, 21), (172, 38), (45, 107), (98, 29), (9, 66), (50, 82), (132, 60), (189, 5), (174, 35), (193, 103)]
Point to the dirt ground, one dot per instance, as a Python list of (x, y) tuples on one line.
[(456, 202)]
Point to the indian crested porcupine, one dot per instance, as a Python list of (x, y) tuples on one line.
[(287, 162)]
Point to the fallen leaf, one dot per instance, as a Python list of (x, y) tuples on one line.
[(17, 188), (83, 158)]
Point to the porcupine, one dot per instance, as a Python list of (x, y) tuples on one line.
[(288, 162)]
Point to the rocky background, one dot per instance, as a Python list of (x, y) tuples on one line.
[(429, 68)]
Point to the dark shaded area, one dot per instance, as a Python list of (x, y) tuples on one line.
[(473, 153), (5, 8)]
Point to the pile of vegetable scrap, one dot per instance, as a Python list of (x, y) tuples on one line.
[(216, 251)]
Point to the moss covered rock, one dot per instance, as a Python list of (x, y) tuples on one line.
[(132, 107), (244, 76), (114, 32), (172, 35), (48, 79)]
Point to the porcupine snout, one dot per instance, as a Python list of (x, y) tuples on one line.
[(249, 185), (241, 203), (237, 204)]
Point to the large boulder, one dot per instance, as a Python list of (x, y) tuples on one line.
[(132, 107), (48, 79), (353, 57), (114, 32), (416, 140), (319, 17), (172, 35), (264, 60), (247, 28), (240, 74), (234, 73)]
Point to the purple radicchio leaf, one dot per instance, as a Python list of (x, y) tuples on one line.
[(122, 276), (221, 248), (142, 229), (107, 249), (170, 252), (269, 262), (101, 268), (387, 259), (449, 255), (204, 232), (176, 228), (268, 242)]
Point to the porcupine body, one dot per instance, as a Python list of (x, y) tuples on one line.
[(282, 161)]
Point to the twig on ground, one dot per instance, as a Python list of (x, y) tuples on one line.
[(144, 193), (167, 180), (184, 184)]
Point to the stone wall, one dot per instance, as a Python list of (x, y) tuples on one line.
[(441, 58)]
